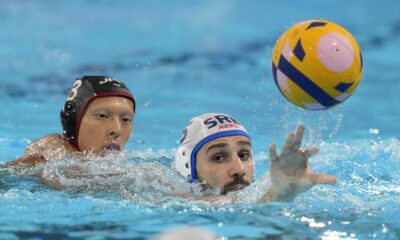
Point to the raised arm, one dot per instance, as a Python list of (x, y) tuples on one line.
[(290, 172)]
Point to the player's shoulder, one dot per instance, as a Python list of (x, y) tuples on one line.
[(46, 142), (50, 139)]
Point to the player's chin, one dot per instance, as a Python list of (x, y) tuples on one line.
[(233, 188)]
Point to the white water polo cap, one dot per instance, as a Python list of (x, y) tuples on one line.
[(201, 130)]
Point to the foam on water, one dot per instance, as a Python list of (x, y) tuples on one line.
[(367, 193), (114, 193)]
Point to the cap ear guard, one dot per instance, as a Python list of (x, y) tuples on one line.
[(182, 156), (182, 161), (68, 120)]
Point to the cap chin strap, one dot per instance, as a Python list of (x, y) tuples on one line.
[(199, 145)]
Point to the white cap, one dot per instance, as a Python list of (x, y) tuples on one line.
[(201, 130)]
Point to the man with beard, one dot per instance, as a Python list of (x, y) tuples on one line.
[(215, 150)]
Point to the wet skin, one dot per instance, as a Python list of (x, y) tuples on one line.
[(106, 125), (226, 163)]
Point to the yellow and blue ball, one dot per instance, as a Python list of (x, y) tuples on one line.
[(317, 64)]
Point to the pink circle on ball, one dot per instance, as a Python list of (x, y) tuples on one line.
[(335, 52)]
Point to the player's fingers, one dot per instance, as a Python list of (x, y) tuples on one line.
[(310, 151), (323, 178), (272, 152), (298, 136), (288, 145)]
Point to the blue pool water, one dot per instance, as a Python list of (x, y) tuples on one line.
[(182, 59)]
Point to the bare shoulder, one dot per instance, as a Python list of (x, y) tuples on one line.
[(52, 146), (51, 138), (46, 143)]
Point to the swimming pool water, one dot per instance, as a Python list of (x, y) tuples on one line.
[(182, 59)]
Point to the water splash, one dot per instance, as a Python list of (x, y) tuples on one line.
[(142, 184)]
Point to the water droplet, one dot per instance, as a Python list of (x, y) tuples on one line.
[(374, 131)]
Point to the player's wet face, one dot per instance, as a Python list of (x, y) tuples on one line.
[(226, 163), (106, 125)]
